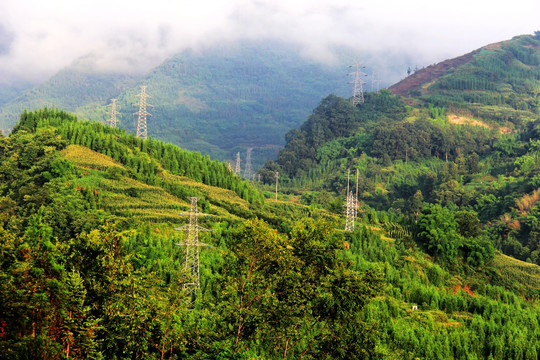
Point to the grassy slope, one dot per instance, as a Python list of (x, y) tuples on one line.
[(499, 82), (127, 198)]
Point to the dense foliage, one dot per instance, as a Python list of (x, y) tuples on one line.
[(443, 148), (89, 266), (81, 280), (145, 157), (499, 82)]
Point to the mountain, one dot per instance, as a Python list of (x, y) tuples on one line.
[(218, 100), (462, 134), (92, 262), (498, 82)]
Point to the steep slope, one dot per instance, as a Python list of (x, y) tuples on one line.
[(498, 82), (418, 80), (89, 265), (226, 99), (467, 140)]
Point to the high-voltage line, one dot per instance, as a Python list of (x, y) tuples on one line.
[(112, 121), (192, 244), (142, 129), (358, 90)]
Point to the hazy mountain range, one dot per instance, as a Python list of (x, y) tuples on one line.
[(219, 100)]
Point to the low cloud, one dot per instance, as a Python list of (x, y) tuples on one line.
[(39, 38)]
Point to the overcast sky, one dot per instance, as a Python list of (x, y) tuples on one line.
[(40, 37)]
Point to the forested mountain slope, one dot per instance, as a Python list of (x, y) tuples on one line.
[(73, 89), (447, 143), (499, 82), (89, 267), (218, 100)]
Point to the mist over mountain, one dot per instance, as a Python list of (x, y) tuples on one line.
[(219, 100)]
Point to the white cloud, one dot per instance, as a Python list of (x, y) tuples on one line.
[(38, 38)]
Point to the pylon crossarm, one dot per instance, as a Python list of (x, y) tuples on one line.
[(198, 244)]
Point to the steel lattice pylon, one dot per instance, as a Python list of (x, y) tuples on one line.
[(192, 244), (247, 171), (351, 212), (237, 165), (114, 112), (351, 205), (142, 130), (358, 90)]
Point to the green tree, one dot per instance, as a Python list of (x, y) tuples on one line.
[(438, 233)]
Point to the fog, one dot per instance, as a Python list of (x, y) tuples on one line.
[(38, 38)]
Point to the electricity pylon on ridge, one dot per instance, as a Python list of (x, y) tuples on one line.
[(358, 90), (142, 129), (352, 204), (192, 244), (247, 171), (237, 165), (112, 121)]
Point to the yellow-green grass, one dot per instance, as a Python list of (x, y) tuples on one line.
[(84, 157), (517, 271), (212, 191), (130, 198)]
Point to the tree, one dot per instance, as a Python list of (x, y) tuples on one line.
[(294, 295), (416, 202), (438, 233)]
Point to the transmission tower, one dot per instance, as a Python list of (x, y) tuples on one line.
[(247, 171), (142, 131), (358, 91), (114, 112), (375, 82), (192, 244), (351, 204), (237, 166), (276, 174)]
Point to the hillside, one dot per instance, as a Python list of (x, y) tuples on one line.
[(89, 264), (73, 89), (219, 100), (442, 143), (499, 82)]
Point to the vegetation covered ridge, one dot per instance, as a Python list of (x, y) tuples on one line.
[(81, 279), (498, 82), (145, 158), (411, 155)]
